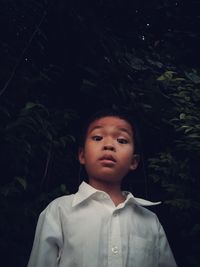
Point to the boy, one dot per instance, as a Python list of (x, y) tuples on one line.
[(101, 226)]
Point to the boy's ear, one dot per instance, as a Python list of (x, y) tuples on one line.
[(81, 155), (135, 162)]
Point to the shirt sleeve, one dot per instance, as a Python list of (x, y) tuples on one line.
[(166, 258), (48, 239)]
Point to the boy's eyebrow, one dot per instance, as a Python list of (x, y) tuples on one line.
[(95, 127), (120, 128), (125, 130)]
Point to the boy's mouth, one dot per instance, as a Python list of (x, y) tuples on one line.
[(108, 158)]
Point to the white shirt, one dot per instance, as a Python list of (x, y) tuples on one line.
[(87, 230)]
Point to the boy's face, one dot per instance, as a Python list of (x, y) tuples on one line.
[(108, 154)]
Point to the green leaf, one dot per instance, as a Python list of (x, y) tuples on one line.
[(135, 62), (89, 83), (167, 76), (22, 182), (193, 77), (182, 116), (189, 129), (155, 63), (194, 136), (30, 105)]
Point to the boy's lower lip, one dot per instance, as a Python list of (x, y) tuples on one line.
[(107, 161)]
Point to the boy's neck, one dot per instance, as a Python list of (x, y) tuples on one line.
[(113, 190)]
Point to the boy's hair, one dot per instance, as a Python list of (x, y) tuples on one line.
[(130, 118)]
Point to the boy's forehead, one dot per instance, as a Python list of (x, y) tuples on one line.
[(111, 121)]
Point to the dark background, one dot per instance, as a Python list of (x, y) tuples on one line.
[(60, 61)]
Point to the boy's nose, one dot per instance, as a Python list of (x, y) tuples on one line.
[(109, 147)]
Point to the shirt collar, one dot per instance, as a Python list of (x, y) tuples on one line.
[(140, 201), (87, 191)]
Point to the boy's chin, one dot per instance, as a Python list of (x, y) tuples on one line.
[(106, 178)]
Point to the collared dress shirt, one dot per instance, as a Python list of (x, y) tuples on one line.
[(87, 230)]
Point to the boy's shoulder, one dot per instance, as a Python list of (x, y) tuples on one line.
[(143, 209), (60, 203)]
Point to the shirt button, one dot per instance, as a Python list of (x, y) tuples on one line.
[(114, 214), (115, 250)]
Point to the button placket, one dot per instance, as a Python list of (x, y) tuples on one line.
[(115, 257)]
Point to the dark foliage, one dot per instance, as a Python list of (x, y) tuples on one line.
[(63, 60)]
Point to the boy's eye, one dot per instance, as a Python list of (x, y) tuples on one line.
[(96, 138), (122, 141)]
